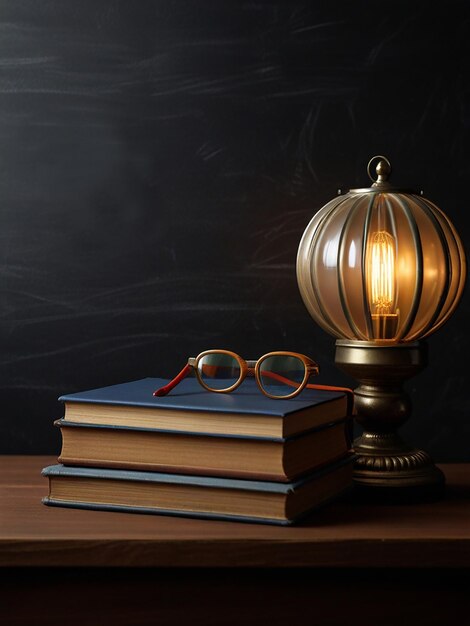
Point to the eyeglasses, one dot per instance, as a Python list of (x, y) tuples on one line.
[(280, 375)]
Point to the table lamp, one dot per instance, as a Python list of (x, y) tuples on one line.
[(381, 268)]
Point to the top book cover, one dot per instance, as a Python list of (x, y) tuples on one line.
[(189, 407)]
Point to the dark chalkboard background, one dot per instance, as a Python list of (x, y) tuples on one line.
[(160, 161)]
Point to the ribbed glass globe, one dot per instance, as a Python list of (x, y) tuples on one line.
[(381, 264)]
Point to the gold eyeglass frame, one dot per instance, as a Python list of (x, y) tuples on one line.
[(252, 368)]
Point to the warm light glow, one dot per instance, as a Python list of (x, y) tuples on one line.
[(381, 273)]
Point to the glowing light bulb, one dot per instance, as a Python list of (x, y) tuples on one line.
[(382, 272), (381, 284)]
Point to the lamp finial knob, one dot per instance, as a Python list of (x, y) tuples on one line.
[(383, 170)]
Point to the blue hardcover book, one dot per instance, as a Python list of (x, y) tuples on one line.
[(197, 496), (190, 408), (154, 449)]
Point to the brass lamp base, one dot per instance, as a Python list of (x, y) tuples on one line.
[(387, 468)]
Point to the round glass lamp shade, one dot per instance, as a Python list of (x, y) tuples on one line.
[(381, 264)]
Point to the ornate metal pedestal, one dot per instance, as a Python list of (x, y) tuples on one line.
[(387, 468)]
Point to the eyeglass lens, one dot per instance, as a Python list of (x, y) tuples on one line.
[(281, 375), (219, 371)]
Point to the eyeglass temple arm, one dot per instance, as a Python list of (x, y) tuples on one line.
[(349, 394), (176, 380)]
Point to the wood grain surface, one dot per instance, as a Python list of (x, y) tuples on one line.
[(343, 535)]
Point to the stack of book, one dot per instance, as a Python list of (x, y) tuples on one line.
[(237, 456)]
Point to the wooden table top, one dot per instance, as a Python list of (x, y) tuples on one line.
[(344, 534)]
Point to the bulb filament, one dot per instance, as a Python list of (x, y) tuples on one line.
[(381, 284), (382, 272)]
